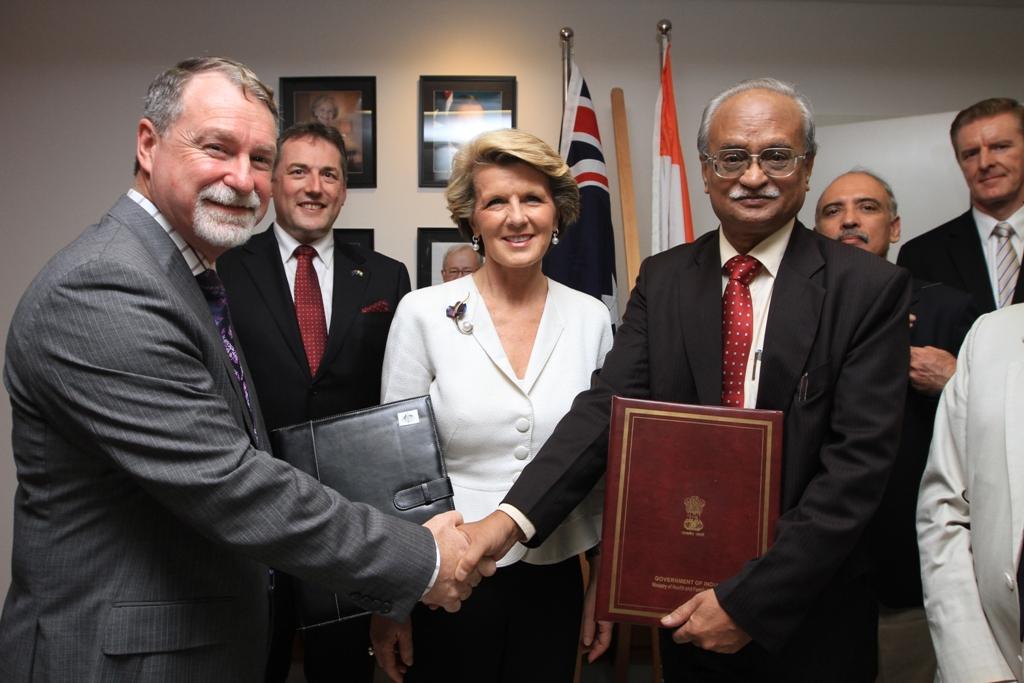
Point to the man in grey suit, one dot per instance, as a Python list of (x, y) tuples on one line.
[(146, 509)]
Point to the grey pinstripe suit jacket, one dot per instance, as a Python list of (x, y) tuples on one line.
[(144, 517)]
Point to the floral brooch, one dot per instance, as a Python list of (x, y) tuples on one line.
[(456, 312)]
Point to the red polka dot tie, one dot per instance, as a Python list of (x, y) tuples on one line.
[(737, 326), (309, 307)]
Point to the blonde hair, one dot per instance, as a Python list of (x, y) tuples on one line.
[(503, 148)]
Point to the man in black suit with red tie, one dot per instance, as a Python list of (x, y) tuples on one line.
[(859, 208), (312, 314), (979, 251), (828, 345)]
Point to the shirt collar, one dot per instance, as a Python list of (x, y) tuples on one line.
[(986, 223), (287, 244), (196, 262), (768, 251)]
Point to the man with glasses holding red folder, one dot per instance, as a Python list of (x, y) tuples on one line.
[(761, 313)]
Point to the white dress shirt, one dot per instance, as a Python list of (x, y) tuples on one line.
[(196, 262)]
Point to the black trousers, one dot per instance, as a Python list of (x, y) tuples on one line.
[(837, 643), (335, 653), (520, 625)]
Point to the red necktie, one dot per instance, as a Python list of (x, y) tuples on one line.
[(737, 326), (309, 307)]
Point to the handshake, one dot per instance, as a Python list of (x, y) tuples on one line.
[(469, 552)]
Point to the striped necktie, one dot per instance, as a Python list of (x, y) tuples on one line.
[(1007, 265)]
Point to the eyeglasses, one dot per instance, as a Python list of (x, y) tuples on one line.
[(776, 162), (460, 271)]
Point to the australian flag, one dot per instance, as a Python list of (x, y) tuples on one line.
[(584, 258)]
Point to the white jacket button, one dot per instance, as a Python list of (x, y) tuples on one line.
[(521, 452), (523, 425)]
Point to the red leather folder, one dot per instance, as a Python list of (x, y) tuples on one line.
[(692, 493)]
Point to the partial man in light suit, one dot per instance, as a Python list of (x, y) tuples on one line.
[(147, 508), (859, 208), (979, 251), (970, 514), (299, 378)]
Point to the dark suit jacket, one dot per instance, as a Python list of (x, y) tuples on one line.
[(838, 317), (943, 315), (953, 255), (144, 516), (264, 316)]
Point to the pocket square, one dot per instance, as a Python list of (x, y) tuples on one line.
[(381, 306)]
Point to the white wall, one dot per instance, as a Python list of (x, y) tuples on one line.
[(912, 153), (73, 75)]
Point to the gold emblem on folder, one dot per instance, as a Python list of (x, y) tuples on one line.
[(694, 507)]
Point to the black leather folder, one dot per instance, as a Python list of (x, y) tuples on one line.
[(387, 456)]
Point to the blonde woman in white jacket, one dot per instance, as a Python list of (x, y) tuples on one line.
[(502, 353)]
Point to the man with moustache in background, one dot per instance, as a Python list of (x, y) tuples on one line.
[(859, 208), (312, 313)]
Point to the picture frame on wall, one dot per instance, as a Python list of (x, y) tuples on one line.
[(431, 246), (453, 109), (360, 237), (348, 104)]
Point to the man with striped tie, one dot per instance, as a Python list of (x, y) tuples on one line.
[(980, 250)]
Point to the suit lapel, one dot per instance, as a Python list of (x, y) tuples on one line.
[(968, 256), (261, 258), (1015, 449), (552, 323), (793, 316), (698, 286), (484, 332), (1018, 291), (351, 278), (925, 331), (170, 261)]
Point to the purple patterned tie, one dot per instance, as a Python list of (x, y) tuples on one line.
[(217, 300)]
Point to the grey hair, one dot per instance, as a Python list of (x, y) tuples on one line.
[(770, 84), (163, 105), (860, 170), (459, 247)]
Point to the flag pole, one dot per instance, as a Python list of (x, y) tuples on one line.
[(566, 34), (671, 218), (627, 198), (664, 40)]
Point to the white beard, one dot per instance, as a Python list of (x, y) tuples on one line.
[(222, 228)]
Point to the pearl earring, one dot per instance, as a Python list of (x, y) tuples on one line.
[(554, 236), (476, 242)]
